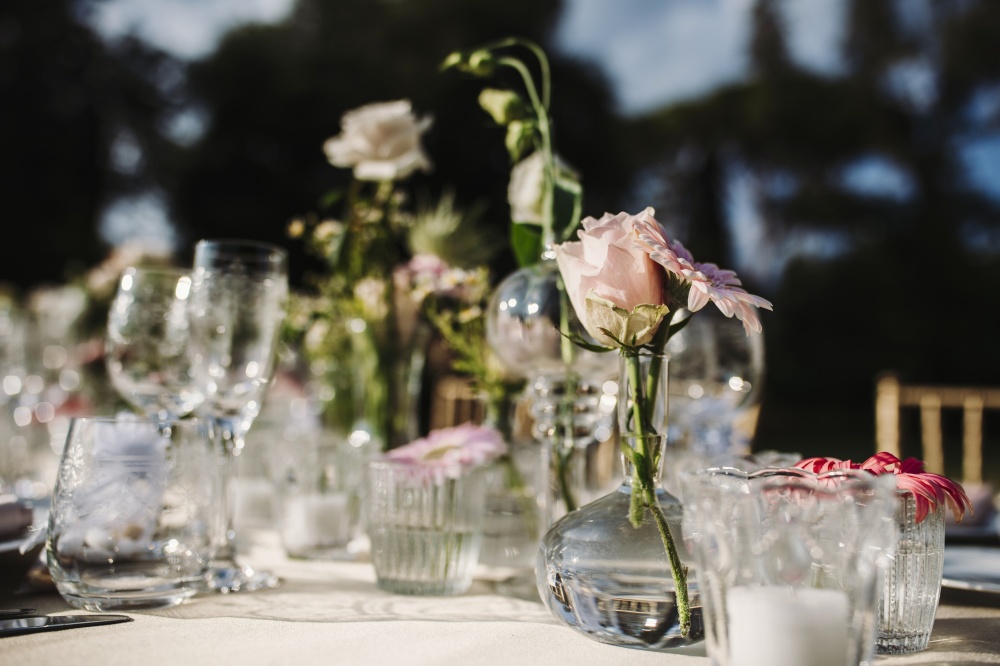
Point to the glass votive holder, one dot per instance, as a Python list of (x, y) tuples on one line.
[(425, 525), (788, 563), (911, 587), (320, 493), (135, 511)]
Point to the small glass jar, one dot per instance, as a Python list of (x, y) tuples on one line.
[(425, 523), (911, 587)]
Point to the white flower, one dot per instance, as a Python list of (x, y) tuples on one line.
[(316, 335), (381, 141), (371, 294), (524, 193)]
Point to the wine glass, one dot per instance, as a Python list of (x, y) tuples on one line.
[(716, 376), (146, 349), (239, 293)]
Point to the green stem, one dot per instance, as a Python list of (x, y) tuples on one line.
[(564, 423), (644, 464), (639, 457), (545, 134), (563, 458), (677, 570)]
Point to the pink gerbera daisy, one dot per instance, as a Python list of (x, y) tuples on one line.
[(707, 282), (928, 489)]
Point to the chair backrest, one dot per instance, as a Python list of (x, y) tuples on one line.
[(892, 396), (454, 402)]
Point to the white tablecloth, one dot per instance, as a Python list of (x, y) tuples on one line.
[(332, 613)]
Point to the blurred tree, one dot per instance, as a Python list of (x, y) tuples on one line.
[(78, 127), (273, 94), (869, 159)]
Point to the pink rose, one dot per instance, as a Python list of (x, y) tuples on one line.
[(611, 281)]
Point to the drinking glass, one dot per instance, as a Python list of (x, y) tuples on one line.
[(134, 513), (146, 349), (425, 525), (788, 562), (239, 292)]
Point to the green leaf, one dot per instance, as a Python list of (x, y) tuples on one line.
[(329, 199), (577, 340), (612, 336), (526, 242), (567, 197), (676, 328)]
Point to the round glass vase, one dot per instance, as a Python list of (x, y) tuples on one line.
[(911, 586), (607, 578)]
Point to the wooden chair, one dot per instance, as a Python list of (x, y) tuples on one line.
[(892, 396), (454, 402)]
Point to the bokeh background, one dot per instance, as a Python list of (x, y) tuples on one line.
[(842, 155)]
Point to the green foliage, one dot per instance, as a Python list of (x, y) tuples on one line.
[(526, 241)]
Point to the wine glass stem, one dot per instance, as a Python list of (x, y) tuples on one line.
[(231, 434)]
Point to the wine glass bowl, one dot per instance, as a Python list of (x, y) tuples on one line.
[(146, 347), (716, 379), (239, 294)]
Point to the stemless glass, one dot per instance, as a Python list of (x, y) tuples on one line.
[(146, 347), (134, 512), (239, 293)]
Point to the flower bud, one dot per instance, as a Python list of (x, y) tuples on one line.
[(480, 63), (520, 138), (503, 106)]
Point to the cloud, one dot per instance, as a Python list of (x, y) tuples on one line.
[(656, 53), (185, 28)]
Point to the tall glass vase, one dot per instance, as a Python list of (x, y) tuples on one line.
[(613, 569), (911, 587), (512, 521)]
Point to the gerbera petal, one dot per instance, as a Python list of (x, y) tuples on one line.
[(697, 297), (953, 493), (911, 466)]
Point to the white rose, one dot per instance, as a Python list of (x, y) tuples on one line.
[(381, 141), (525, 190)]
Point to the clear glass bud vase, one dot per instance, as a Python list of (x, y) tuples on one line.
[(607, 578), (911, 586)]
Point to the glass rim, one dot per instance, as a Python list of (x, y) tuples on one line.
[(244, 247), (141, 420), (157, 270), (420, 471)]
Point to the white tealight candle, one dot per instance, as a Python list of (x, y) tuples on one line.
[(315, 521), (778, 626)]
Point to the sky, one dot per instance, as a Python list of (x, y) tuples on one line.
[(654, 53)]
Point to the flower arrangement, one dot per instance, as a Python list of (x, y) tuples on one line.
[(627, 281), (391, 276), (929, 490)]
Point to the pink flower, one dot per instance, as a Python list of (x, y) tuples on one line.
[(607, 276), (707, 282), (928, 489), (452, 448)]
